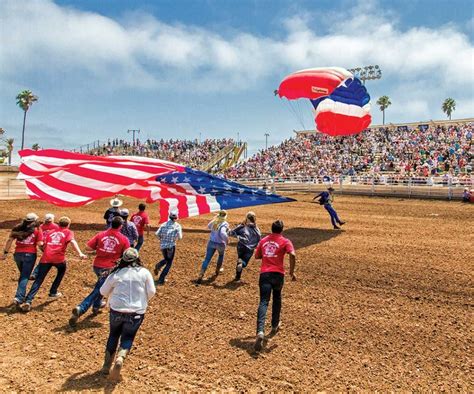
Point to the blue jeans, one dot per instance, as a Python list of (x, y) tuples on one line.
[(212, 247), (25, 263), (269, 282), (168, 256), (123, 327), (43, 269), (139, 242), (334, 218), (94, 299), (34, 274)]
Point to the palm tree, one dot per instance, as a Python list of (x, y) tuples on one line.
[(35, 147), (9, 144), (449, 106), (25, 100), (383, 103)]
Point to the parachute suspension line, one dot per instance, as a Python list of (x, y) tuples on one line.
[(295, 113)]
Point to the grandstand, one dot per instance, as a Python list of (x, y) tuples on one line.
[(420, 149)]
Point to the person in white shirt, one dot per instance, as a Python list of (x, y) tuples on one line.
[(129, 287)]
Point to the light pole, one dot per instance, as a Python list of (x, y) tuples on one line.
[(266, 140), (367, 73), (133, 132)]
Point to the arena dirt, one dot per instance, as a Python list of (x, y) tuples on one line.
[(384, 304)]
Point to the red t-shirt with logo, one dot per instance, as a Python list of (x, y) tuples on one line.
[(55, 245), (47, 227), (140, 219), (109, 246), (273, 248), (28, 245)]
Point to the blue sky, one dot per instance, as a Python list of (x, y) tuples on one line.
[(175, 69)]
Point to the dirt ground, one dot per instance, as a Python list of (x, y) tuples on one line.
[(385, 304)]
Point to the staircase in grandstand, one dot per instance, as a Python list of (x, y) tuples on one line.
[(225, 158)]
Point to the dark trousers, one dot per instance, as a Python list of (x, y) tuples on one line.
[(123, 328), (139, 242), (270, 282), (244, 254), (168, 256), (334, 218), (25, 263), (43, 269), (94, 298)]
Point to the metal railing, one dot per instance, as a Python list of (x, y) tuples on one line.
[(388, 186)]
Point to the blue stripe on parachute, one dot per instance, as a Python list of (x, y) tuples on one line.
[(351, 92)]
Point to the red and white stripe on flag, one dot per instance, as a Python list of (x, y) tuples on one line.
[(71, 179)]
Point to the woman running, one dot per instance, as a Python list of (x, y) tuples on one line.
[(249, 236), (28, 237), (129, 287), (217, 242)]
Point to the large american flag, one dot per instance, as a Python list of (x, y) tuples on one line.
[(71, 179)]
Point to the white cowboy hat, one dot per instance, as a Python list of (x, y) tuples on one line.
[(115, 202)]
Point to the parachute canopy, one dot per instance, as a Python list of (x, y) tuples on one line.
[(340, 100)]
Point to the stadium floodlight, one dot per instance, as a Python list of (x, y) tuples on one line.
[(367, 73), (266, 140), (133, 131)]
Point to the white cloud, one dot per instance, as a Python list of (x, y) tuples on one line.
[(146, 53)]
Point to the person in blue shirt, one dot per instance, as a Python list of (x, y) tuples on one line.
[(326, 199), (218, 239), (168, 234)]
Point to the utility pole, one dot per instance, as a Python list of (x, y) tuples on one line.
[(266, 140), (133, 132)]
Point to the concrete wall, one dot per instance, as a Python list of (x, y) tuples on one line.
[(10, 187)]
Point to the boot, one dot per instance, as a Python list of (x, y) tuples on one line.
[(200, 277), (109, 357), (121, 355), (218, 269)]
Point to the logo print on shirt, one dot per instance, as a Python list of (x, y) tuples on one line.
[(56, 238), (269, 249), (109, 244), (29, 240), (137, 220)]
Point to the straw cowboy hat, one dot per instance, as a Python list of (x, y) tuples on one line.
[(115, 202)]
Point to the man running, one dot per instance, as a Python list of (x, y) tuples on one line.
[(272, 250), (54, 255), (128, 228), (326, 199), (113, 211), (47, 226), (168, 234), (109, 246), (142, 221)]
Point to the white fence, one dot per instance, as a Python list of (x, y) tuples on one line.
[(379, 185)]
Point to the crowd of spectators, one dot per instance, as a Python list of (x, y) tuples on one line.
[(187, 152), (429, 150)]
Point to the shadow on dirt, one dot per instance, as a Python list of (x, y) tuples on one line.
[(83, 324), (9, 309), (303, 237), (247, 344), (91, 381), (231, 285), (41, 307)]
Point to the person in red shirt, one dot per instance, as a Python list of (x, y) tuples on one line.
[(54, 255), (141, 221), (27, 237), (272, 250), (108, 246), (46, 227)]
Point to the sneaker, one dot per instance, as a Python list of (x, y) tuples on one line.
[(199, 281), (156, 271), (221, 269), (103, 304), (239, 267), (76, 312), (57, 295), (259, 341), (26, 307)]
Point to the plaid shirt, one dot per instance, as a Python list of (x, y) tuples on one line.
[(130, 231), (169, 233)]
